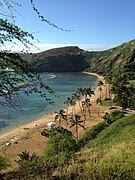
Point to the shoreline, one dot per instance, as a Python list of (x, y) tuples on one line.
[(29, 138), (39, 123), (95, 74), (42, 121)]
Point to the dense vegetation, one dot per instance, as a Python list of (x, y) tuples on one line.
[(15, 76), (110, 156), (67, 59), (112, 61), (106, 151), (117, 65)]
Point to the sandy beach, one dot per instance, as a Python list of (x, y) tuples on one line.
[(28, 137)]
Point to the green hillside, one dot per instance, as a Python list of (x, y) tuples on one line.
[(111, 155), (108, 154), (107, 150), (69, 59), (113, 61), (66, 59)]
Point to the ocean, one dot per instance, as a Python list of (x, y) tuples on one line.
[(33, 107)]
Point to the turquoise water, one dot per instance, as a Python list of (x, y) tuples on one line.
[(32, 107)]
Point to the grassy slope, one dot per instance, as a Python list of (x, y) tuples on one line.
[(110, 156), (120, 58), (120, 131)]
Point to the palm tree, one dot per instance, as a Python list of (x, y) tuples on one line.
[(100, 90), (61, 116), (98, 101), (85, 93), (76, 121), (90, 92), (73, 103), (108, 80), (84, 110), (106, 89), (79, 97), (88, 105), (100, 84), (67, 102)]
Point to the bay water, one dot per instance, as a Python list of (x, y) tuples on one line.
[(33, 107)]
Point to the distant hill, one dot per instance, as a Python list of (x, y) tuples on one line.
[(66, 59), (73, 59)]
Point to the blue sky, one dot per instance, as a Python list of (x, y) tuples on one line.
[(96, 24)]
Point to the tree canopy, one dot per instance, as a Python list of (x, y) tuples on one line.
[(15, 74)]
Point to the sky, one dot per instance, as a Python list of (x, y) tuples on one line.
[(93, 24)]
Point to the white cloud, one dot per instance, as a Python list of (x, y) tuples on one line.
[(42, 47)]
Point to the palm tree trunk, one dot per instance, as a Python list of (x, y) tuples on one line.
[(106, 91), (67, 115), (80, 107), (84, 116), (59, 121), (77, 131), (98, 110), (72, 112), (100, 95), (67, 111), (109, 92), (89, 111)]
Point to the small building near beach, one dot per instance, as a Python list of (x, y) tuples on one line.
[(51, 125)]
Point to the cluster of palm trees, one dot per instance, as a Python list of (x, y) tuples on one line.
[(108, 92), (82, 96), (107, 88), (99, 99)]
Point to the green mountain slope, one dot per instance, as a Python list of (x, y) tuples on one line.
[(115, 60), (110, 156), (66, 59), (69, 59)]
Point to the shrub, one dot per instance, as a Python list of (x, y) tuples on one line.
[(3, 163), (32, 166), (107, 99), (91, 134), (27, 160), (46, 132), (61, 146), (113, 116)]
